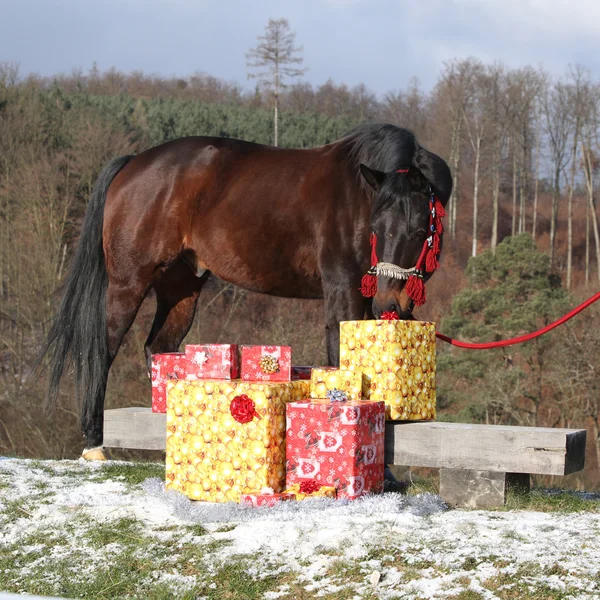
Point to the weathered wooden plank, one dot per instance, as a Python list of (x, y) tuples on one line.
[(465, 488), (135, 427), (501, 448)]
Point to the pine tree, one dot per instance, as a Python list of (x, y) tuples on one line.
[(275, 55)]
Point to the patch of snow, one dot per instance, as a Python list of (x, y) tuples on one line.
[(442, 548)]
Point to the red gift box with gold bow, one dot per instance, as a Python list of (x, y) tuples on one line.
[(266, 363)]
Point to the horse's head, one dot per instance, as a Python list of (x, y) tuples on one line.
[(401, 226)]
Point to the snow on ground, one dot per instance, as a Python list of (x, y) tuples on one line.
[(419, 548)]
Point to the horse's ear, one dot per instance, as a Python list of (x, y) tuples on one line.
[(417, 181), (372, 177)]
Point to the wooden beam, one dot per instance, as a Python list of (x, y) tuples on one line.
[(501, 448), (135, 427)]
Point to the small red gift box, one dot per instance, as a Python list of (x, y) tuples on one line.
[(213, 361), (266, 363), (301, 373), (265, 498), (170, 365), (335, 443)]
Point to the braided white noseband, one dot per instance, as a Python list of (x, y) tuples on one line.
[(394, 271)]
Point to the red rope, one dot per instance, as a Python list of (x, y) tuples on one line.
[(521, 338)]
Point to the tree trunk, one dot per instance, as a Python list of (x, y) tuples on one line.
[(536, 184), (589, 180), (554, 217), (522, 188), (523, 181), (570, 208), (495, 194), (454, 166), (513, 229), (587, 244), (475, 194), (570, 237), (276, 135)]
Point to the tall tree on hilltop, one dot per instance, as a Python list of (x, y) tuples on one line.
[(274, 56), (558, 127)]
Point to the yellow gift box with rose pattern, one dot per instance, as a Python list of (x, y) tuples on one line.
[(397, 361), (326, 379), (227, 438)]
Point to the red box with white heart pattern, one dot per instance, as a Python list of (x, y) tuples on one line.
[(266, 363), (338, 444), (213, 361), (170, 365)]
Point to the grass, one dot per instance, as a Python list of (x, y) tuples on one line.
[(550, 501), (103, 556), (130, 473)]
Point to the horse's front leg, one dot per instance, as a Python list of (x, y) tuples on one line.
[(341, 304)]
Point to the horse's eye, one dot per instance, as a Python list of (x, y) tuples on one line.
[(420, 233)]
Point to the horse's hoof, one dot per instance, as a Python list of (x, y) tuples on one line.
[(93, 454)]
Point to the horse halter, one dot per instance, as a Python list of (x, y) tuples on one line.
[(427, 262)]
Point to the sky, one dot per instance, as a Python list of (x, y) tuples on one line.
[(381, 43)]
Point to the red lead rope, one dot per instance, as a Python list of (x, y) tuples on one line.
[(521, 338)]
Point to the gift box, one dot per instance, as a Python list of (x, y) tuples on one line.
[(324, 380), (300, 373), (227, 438), (266, 498), (312, 490), (397, 359), (170, 365), (336, 443), (266, 363), (213, 361)]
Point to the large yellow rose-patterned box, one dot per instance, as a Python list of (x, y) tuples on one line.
[(227, 438), (397, 360)]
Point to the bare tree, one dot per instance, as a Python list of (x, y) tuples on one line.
[(558, 127), (475, 118), (275, 55), (578, 95), (524, 88), (454, 89), (590, 167), (499, 113)]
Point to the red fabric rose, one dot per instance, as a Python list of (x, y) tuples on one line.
[(390, 315), (309, 487), (242, 409)]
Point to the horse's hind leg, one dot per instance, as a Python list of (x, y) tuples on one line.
[(177, 293), (123, 300)]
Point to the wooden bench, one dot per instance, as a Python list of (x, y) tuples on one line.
[(478, 463)]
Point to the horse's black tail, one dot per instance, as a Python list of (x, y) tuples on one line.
[(436, 170), (78, 334)]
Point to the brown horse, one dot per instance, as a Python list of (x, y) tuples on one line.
[(292, 223)]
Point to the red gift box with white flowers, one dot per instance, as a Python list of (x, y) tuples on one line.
[(265, 498), (266, 363), (170, 365), (213, 361), (301, 373), (336, 443)]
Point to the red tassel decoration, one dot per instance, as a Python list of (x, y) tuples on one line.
[(431, 262), (415, 288), (368, 286), (435, 247), (439, 209)]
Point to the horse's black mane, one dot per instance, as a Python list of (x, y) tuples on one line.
[(381, 146), (385, 147)]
